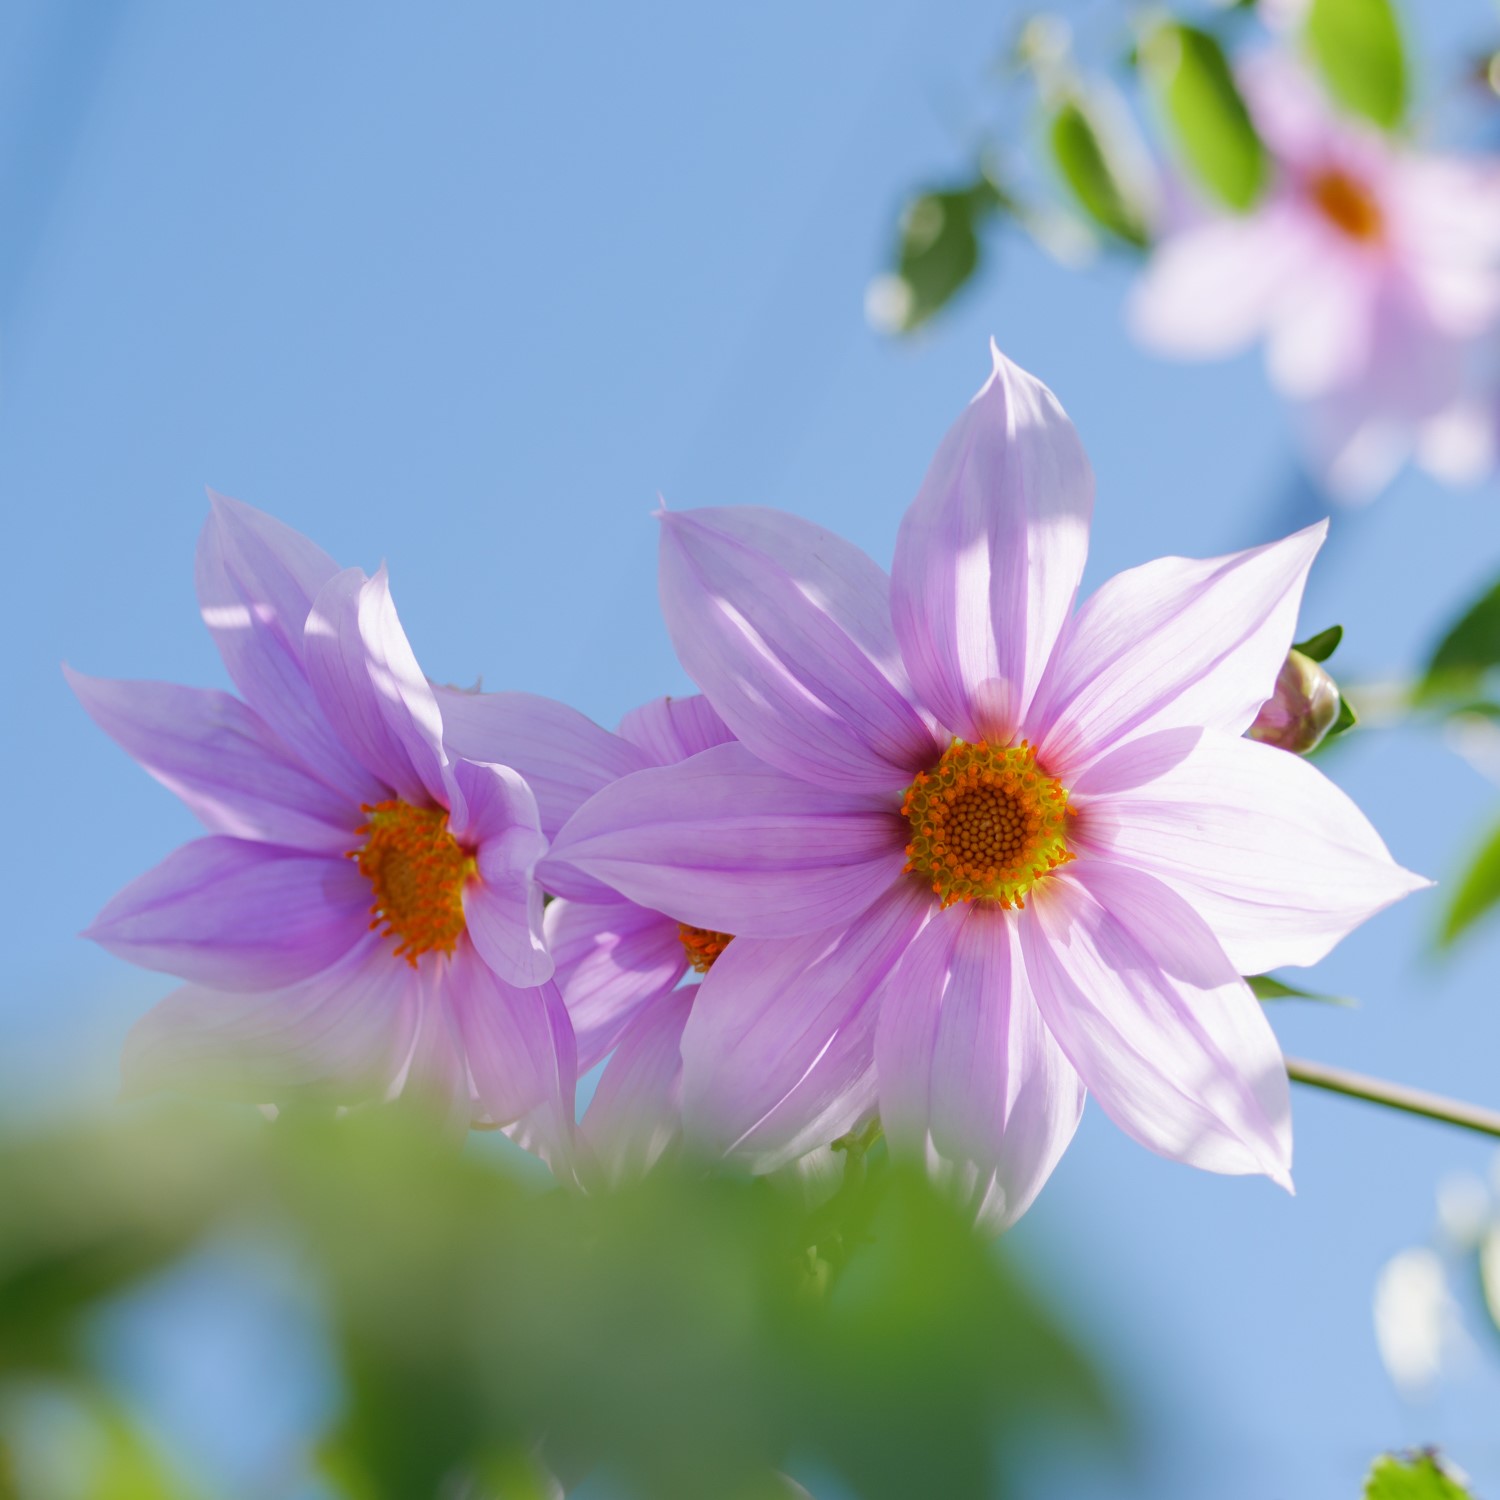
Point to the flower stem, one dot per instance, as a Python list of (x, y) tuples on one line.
[(1394, 1096)]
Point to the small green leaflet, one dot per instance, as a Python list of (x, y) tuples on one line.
[(939, 246), (1412, 1476), (1195, 90), (1477, 893), (1356, 45), (1470, 649), (1083, 158), (1268, 987), (1321, 646)]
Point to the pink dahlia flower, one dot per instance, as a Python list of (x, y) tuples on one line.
[(981, 853), (362, 920), (1371, 271)]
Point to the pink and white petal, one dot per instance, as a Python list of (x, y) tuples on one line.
[(1163, 1031), (1271, 854), (1350, 447), (1322, 332), (519, 1045), (778, 1054), (1209, 290), (339, 1037), (435, 1079), (256, 583), (635, 1116), (238, 915), (970, 1079), (613, 957), (564, 756), (371, 690), (667, 730), (786, 628), (222, 760), (727, 842), (1174, 642), (989, 555), (1461, 446), (503, 907)]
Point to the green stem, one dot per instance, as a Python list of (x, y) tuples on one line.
[(1394, 1096)]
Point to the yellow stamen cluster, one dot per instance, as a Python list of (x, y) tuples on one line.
[(1348, 204), (418, 871), (702, 946), (986, 823)]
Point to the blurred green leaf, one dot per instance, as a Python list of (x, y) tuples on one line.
[(1412, 1476), (938, 252), (1081, 152), (1469, 650), (1322, 645), (1268, 987), (1195, 90), (1478, 891), (1357, 47)]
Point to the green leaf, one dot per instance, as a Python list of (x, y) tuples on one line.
[(1347, 719), (1196, 92), (939, 250), (1478, 890), (1412, 1476), (1356, 45), (1469, 650), (1091, 172), (1268, 987), (1322, 645)]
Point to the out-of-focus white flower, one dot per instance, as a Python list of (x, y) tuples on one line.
[(1416, 1319)]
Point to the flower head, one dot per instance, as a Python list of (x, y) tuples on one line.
[(1370, 270), (362, 920), (980, 852)]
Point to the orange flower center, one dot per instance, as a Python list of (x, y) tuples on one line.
[(1348, 205), (418, 871), (986, 824), (702, 946)]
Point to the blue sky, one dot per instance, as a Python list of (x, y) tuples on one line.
[(464, 288)]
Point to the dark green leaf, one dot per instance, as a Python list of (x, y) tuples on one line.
[(1211, 127), (1469, 650), (1268, 987), (1357, 47), (939, 250), (1412, 1476), (1322, 645), (1086, 165), (1477, 892)]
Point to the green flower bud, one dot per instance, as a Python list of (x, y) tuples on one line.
[(1302, 708)]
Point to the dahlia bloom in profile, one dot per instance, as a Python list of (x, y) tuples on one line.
[(980, 853), (1370, 270), (362, 920)]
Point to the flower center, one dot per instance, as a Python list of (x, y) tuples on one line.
[(986, 823), (418, 871), (1348, 205), (702, 946)]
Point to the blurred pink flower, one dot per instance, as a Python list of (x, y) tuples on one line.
[(1066, 895), (1371, 271), (362, 920)]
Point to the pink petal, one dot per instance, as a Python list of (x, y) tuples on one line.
[(435, 1077), (1269, 852), (519, 1046), (1322, 331), (371, 689), (1174, 642), (667, 730), (969, 1076), (786, 628), (503, 908), (635, 1115), (613, 957), (237, 915), (222, 760), (339, 1037), (726, 842), (990, 553), (564, 756), (256, 583), (1163, 1031), (778, 1054)]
